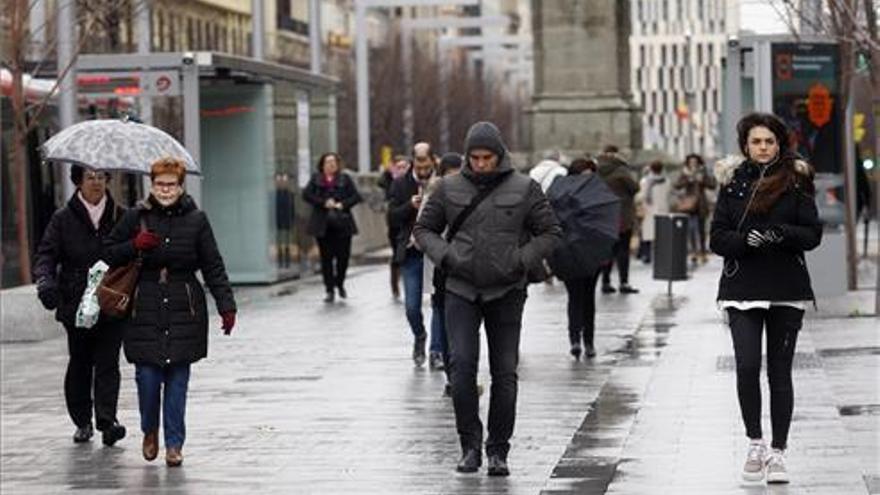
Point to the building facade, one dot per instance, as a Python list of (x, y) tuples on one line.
[(676, 49)]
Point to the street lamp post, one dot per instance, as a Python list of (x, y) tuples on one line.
[(689, 91)]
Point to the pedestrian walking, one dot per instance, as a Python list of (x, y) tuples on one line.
[(396, 169), (71, 244), (500, 231), (405, 201), (438, 355), (167, 329), (654, 191), (765, 219), (693, 183), (589, 212), (332, 194), (614, 170), (284, 216)]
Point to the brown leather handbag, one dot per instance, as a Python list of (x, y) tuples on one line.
[(116, 291)]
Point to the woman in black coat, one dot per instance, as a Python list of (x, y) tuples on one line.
[(71, 244), (167, 329), (765, 219), (332, 195)]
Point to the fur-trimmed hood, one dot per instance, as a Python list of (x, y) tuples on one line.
[(726, 167)]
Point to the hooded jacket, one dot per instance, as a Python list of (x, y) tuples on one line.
[(615, 172), (504, 243), (168, 323), (73, 244), (771, 272)]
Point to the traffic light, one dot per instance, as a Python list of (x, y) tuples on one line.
[(859, 127)]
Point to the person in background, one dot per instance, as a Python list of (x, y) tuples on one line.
[(766, 218), (614, 170), (548, 170), (71, 244), (654, 190), (395, 170), (167, 329), (693, 183), (332, 195), (284, 215), (405, 201)]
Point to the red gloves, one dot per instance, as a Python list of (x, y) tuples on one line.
[(228, 321), (145, 240)]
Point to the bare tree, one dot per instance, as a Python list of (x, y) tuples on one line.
[(27, 112)]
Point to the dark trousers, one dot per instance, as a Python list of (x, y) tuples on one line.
[(621, 259), (413, 271), (697, 233), (335, 252), (746, 328), (503, 320), (582, 309), (92, 378)]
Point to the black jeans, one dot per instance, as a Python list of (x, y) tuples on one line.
[(503, 321), (621, 259), (746, 328), (93, 366), (581, 309), (335, 252)]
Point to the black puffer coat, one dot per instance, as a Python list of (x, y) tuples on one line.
[(771, 272), (169, 321), (344, 191), (72, 244)]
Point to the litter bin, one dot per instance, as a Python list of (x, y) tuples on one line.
[(670, 247)]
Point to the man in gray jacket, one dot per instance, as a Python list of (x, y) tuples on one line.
[(499, 248)]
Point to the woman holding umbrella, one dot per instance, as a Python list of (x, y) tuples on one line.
[(167, 329), (589, 212), (71, 244), (332, 195)]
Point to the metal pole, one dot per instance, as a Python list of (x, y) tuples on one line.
[(144, 31), (315, 35), (38, 26), (67, 108), (408, 116), (363, 86), (258, 28), (444, 99), (732, 95), (192, 139)]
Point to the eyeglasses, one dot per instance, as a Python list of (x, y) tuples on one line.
[(167, 186), (95, 176)]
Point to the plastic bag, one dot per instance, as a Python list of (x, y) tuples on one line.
[(88, 311)]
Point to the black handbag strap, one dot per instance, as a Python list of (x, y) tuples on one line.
[(466, 212)]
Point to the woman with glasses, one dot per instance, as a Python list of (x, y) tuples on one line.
[(71, 244)]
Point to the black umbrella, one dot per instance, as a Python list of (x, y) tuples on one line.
[(590, 215)]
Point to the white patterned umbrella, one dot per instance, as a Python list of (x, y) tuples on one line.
[(112, 144)]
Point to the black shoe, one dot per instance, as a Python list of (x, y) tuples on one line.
[(628, 289), (498, 466), (83, 434), (608, 289), (342, 292), (330, 297), (589, 351), (113, 434), (418, 353), (435, 361), (470, 462), (575, 350)]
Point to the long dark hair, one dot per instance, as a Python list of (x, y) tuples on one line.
[(323, 158), (772, 187)]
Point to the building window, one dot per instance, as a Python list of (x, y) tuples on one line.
[(675, 54), (190, 34), (665, 12), (642, 56), (711, 48), (699, 54), (663, 55), (660, 78), (654, 102)]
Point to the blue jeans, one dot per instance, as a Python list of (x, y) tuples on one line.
[(413, 272), (150, 379)]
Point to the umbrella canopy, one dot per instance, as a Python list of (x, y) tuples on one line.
[(590, 215), (112, 144)]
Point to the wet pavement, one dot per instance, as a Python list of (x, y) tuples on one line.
[(314, 398)]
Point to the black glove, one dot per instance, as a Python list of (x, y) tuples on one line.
[(755, 239), (47, 292), (773, 235)]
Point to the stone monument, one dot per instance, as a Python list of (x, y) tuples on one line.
[(582, 99)]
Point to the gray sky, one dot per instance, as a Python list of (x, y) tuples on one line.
[(761, 17)]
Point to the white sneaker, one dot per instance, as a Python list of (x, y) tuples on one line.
[(753, 469), (776, 472)]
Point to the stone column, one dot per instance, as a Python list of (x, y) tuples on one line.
[(582, 97)]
